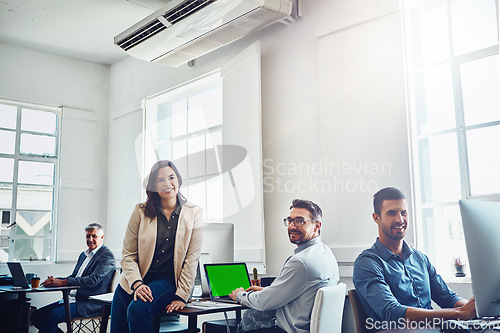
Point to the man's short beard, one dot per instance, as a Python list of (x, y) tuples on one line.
[(394, 237), (300, 240)]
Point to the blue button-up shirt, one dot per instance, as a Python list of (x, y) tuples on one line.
[(388, 284)]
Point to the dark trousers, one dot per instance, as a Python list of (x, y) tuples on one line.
[(132, 316)]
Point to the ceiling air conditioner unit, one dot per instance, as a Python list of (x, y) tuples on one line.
[(186, 29)]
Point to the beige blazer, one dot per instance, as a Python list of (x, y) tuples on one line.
[(139, 246)]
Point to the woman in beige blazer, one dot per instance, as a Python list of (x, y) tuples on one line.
[(160, 254)]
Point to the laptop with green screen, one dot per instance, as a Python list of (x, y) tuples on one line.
[(223, 278)]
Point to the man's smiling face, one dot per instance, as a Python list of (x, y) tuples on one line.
[(393, 219), (95, 238), (306, 232)]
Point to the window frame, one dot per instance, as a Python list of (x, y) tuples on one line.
[(460, 129), (18, 157), (185, 91)]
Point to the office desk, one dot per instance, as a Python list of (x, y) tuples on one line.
[(64, 289), (191, 313)]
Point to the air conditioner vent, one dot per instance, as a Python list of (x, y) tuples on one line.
[(185, 9), (183, 30), (141, 34), (173, 16)]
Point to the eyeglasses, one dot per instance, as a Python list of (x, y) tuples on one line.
[(298, 222)]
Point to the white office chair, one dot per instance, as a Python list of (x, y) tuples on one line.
[(93, 324), (328, 308)]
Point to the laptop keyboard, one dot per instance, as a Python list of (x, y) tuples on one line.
[(208, 304)]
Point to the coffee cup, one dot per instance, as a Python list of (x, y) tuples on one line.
[(35, 282)]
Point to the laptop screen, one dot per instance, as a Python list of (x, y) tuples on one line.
[(18, 275), (224, 278)]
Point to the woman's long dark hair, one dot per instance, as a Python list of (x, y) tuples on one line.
[(152, 207)]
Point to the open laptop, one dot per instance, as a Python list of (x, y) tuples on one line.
[(223, 278), (18, 277)]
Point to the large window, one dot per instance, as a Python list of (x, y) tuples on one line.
[(453, 66), (184, 125), (210, 126), (28, 173)]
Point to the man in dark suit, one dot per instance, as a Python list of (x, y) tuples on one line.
[(93, 272)]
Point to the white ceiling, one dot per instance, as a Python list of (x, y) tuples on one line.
[(82, 29)]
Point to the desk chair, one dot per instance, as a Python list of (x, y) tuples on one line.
[(328, 308), (219, 326), (92, 324), (359, 312), (170, 323)]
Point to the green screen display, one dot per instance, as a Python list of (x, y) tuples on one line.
[(225, 278)]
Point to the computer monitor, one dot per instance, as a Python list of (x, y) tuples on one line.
[(218, 247), (218, 242), (481, 223)]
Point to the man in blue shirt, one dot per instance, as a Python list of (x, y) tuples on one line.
[(396, 283), (286, 305)]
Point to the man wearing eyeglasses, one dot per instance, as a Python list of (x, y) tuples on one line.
[(286, 305)]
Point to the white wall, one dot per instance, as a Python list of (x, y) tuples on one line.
[(131, 80), (37, 77), (331, 49), (332, 93), (332, 90)]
